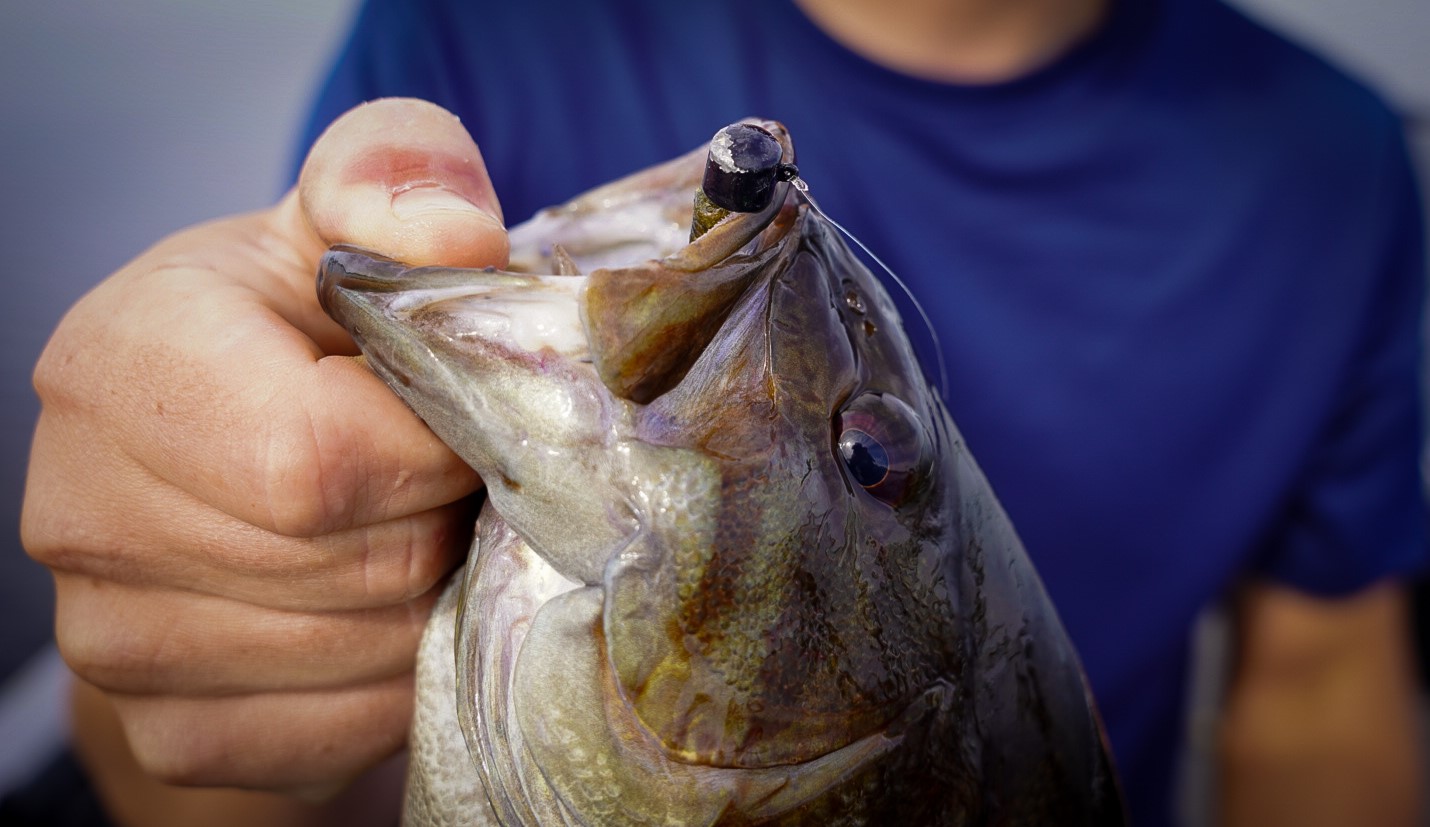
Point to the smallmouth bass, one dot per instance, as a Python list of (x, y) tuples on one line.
[(736, 565)]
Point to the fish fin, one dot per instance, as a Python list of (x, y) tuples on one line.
[(647, 325), (562, 263)]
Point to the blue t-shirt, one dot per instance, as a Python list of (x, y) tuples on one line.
[(1176, 275)]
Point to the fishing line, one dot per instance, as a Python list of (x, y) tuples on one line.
[(741, 168), (803, 188)]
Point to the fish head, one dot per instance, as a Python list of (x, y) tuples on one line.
[(807, 600), (732, 437), (728, 447)]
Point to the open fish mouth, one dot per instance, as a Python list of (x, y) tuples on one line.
[(556, 356), (524, 315), (736, 565)]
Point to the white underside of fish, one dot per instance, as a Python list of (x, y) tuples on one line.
[(442, 789)]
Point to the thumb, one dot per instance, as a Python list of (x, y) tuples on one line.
[(403, 177)]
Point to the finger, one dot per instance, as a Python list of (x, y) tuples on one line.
[(282, 740), (400, 176), (209, 349), (138, 530), (233, 405), (403, 177), (131, 797), (142, 641)]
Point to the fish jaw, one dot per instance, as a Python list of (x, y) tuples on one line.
[(516, 399), (529, 376)]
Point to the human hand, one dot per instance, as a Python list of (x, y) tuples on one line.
[(247, 532)]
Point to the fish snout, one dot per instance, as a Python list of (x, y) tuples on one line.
[(353, 270)]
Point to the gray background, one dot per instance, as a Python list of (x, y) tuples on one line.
[(121, 122)]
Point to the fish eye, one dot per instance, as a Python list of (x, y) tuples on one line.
[(864, 456), (883, 446)]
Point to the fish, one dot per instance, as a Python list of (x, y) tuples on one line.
[(736, 564)]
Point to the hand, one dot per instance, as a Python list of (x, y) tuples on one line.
[(247, 531)]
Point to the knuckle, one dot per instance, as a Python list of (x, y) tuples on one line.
[(82, 659), (308, 485), (64, 521), (54, 374), (177, 761), (80, 356), (116, 659), (417, 559), (48, 377), (445, 546), (57, 532), (39, 535), (176, 743)]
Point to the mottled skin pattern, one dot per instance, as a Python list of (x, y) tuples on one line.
[(446, 793), (694, 598)]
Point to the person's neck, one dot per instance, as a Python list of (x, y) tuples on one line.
[(958, 41)]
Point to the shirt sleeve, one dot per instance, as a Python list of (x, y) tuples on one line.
[(1358, 513)]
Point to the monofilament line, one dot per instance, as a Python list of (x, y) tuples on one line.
[(803, 188)]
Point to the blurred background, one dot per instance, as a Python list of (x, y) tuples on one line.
[(121, 122)]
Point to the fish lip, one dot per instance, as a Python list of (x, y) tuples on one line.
[(348, 267)]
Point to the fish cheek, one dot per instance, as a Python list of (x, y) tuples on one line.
[(731, 652), (648, 325)]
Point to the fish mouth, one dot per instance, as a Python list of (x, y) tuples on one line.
[(514, 312), (356, 270), (651, 297)]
